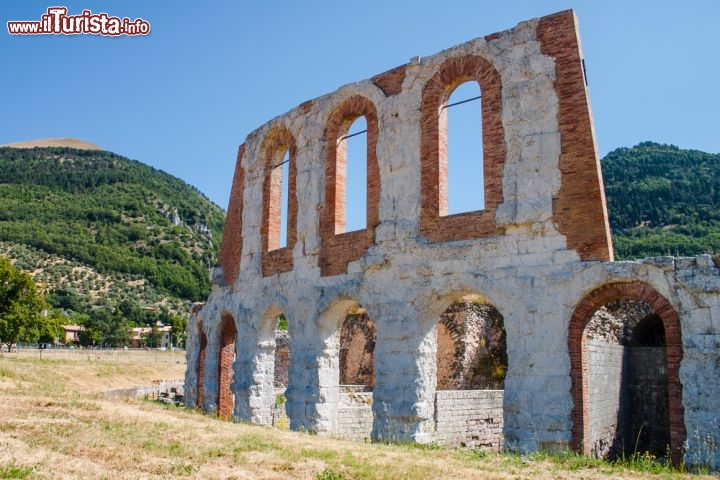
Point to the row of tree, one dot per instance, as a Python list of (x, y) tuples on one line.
[(25, 316)]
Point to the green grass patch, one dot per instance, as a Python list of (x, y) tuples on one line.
[(15, 471)]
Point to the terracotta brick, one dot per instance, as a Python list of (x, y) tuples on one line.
[(275, 259), (435, 224), (232, 242), (340, 247), (228, 337), (390, 82), (579, 208)]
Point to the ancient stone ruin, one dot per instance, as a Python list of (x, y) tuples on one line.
[(510, 326)]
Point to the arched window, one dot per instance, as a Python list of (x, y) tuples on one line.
[(352, 178), (352, 185), (279, 227), (277, 231), (442, 124), (465, 184)]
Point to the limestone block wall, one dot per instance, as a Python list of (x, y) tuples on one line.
[(470, 418), (605, 390), (355, 416), (540, 253)]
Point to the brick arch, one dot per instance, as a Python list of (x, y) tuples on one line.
[(228, 340), (340, 248), (579, 366), (274, 146), (433, 150), (201, 363)]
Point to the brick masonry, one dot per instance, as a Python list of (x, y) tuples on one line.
[(540, 253), (228, 336)]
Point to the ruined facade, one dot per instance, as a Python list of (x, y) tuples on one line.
[(539, 253)]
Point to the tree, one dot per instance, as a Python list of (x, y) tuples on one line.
[(51, 329), (20, 306), (179, 325), (107, 328)]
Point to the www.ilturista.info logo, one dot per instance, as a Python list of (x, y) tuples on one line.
[(57, 22)]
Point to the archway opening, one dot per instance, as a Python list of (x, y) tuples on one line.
[(228, 339), (471, 367), (627, 396), (274, 365), (356, 372), (201, 364), (616, 375), (357, 349)]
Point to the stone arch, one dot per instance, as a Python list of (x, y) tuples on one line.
[(228, 342), (433, 150), (577, 347), (277, 260), (471, 363), (340, 248), (346, 410), (201, 362)]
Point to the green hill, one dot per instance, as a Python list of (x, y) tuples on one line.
[(662, 200), (102, 225)]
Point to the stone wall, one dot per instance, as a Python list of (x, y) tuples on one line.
[(470, 418), (471, 348), (357, 350), (646, 401), (540, 253), (605, 394), (355, 415), (282, 358)]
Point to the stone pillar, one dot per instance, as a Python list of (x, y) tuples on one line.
[(405, 370), (537, 401), (312, 392), (245, 359)]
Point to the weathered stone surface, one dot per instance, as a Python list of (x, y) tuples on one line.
[(540, 254)]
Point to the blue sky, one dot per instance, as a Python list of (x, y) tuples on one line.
[(184, 97)]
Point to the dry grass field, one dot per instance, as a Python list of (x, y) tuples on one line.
[(55, 423)]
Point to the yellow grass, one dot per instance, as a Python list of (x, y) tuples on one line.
[(55, 423)]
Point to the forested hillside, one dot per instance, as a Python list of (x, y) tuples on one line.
[(662, 200), (122, 219)]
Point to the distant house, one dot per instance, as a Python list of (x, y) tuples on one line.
[(72, 333), (140, 337)]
